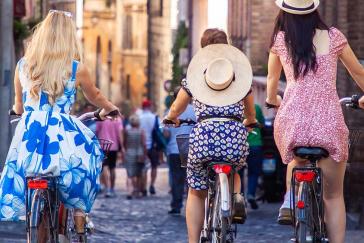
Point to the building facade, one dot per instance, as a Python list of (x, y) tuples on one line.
[(159, 50)]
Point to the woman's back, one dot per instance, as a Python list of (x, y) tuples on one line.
[(310, 102), (62, 104)]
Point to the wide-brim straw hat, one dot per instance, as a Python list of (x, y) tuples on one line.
[(298, 6), (219, 75)]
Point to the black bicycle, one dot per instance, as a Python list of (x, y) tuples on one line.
[(46, 217), (220, 203), (308, 206)]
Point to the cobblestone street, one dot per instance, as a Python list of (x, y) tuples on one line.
[(146, 220)]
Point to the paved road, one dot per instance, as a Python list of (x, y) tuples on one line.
[(146, 220)]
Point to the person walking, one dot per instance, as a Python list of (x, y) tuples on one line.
[(48, 140), (149, 122), (135, 155), (111, 130), (218, 83), (310, 113), (177, 172), (255, 159)]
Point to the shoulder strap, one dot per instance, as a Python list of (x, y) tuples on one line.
[(74, 69)]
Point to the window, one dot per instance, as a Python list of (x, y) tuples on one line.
[(128, 32)]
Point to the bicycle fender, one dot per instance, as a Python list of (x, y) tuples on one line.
[(225, 195)]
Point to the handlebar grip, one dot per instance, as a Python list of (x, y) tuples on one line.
[(270, 106), (113, 113), (12, 113), (355, 101), (187, 121), (168, 122), (97, 114), (253, 125)]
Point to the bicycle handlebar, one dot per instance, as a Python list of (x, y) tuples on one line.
[(352, 102), (188, 122)]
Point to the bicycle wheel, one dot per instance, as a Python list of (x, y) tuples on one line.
[(304, 226), (39, 225), (220, 224)]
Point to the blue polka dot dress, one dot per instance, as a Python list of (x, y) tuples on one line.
[(215, 141), (49, 141)]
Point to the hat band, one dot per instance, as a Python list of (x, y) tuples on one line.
[(285, 5), (227, 86)]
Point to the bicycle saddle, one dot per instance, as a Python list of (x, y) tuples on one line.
[(311, 153)]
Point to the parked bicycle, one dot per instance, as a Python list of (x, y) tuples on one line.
[(46, 216), (307, 182), (219, 205)]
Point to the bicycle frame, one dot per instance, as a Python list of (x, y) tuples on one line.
[(225, 173), (307, 178), (42, 194)]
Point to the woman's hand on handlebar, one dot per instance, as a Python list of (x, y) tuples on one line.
[(274, 103), (361, 102), (113, 112), (174, 122), (250, 124)]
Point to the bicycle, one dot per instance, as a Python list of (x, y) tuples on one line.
[(308, 206), (219, 204), (44, 211)]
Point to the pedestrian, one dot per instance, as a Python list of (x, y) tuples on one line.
[(111, 130), (135, 156), (48, 141), (149, 122), (255, 159), (310, 113), (219, 84), (178, 173)]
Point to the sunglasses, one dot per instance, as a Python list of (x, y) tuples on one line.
[(67, 14)]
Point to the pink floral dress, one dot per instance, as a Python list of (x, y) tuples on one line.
[(310, 113)]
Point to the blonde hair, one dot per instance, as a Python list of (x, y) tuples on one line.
[(49, 55)]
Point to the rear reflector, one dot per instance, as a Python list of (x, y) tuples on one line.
[(37, 184), (306, 176), (226, 169), (301, 204)]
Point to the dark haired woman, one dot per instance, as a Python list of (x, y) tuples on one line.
[(310, 113)]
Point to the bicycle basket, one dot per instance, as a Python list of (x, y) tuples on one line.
[(356, 135), (183, 143), (105, 145)]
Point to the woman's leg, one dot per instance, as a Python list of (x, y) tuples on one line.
[(195, 212), (335, 216)]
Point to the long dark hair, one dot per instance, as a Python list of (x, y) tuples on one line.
[(299, 31)]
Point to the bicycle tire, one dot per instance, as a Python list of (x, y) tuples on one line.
[(37, 216), (219, 222), (304, 220)]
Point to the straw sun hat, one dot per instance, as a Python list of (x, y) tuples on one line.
[(298, 6), (219, 75)]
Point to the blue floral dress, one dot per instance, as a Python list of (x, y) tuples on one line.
[(215, 141), (48, 141)]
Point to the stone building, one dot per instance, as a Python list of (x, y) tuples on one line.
[(114, 36), (134, 50), (159, 50)]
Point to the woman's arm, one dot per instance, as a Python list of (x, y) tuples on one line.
[(18, 101), (179, 106), (352, 64), (355, 69), (92, 93), (249, 110), (274, 73)]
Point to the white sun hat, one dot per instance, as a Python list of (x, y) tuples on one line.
[(298, 6), (219, 75)]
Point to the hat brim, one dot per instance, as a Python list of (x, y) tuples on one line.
[(238, 88), (279, 3)]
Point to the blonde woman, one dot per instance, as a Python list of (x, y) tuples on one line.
[(47, 140)]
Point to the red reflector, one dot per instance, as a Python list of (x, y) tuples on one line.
[(226, 169), (301, 204), (37, 184), (307, 176)]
